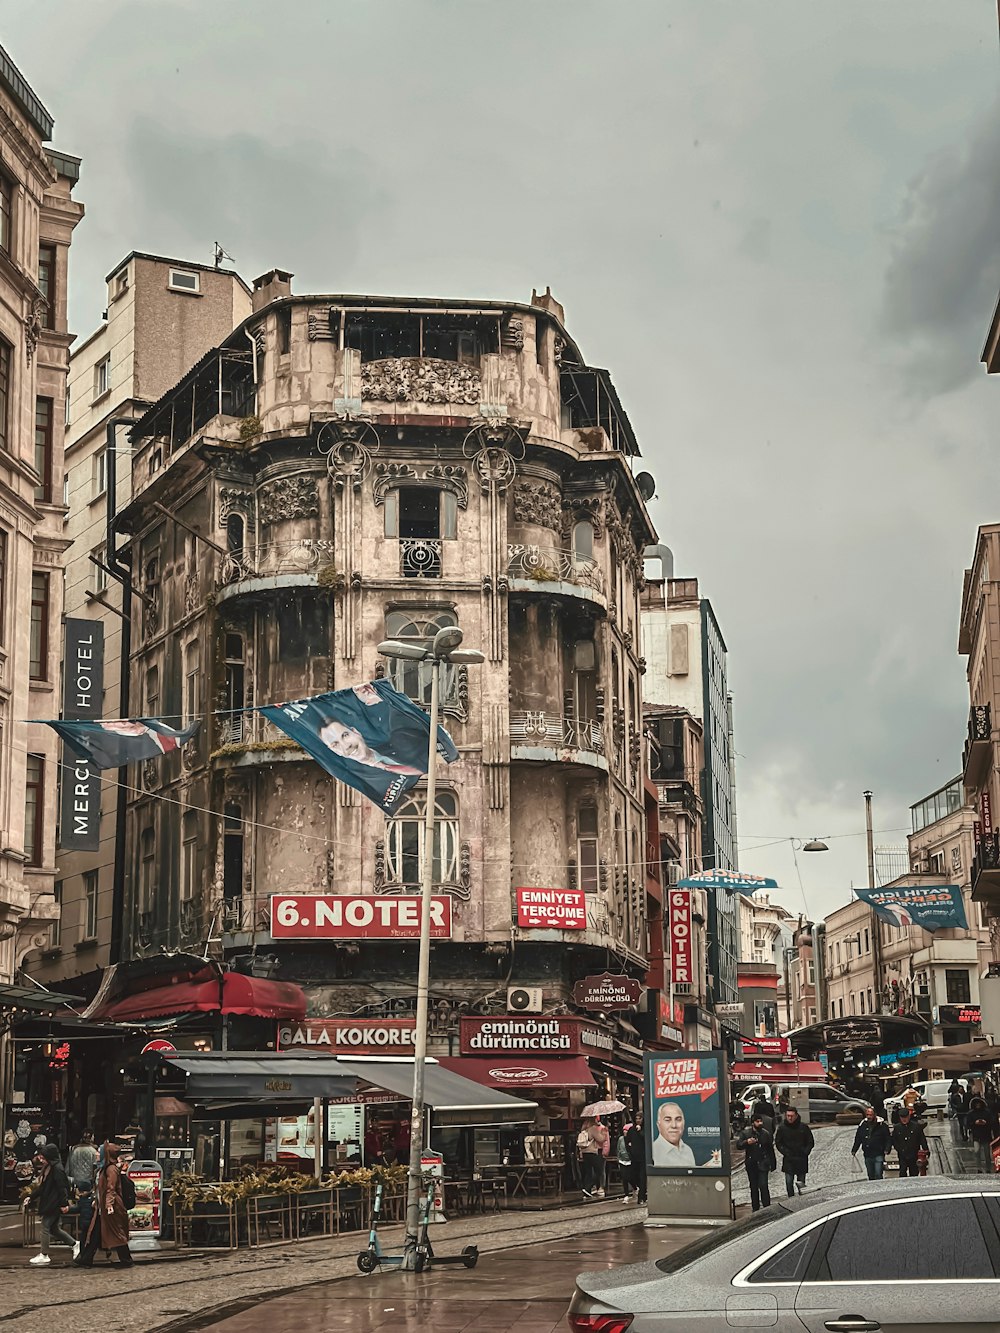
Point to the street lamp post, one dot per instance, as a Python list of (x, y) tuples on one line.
[(443, 648)]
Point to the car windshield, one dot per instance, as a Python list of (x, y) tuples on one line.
[(672, 1263)]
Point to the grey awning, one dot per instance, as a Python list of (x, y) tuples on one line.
[(456, 1101), (237, 1076)]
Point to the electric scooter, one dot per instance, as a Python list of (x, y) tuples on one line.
[(376, 1257)]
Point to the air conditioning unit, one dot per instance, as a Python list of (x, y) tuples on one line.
[(673, 872), (524, 999)]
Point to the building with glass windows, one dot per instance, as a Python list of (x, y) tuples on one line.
[(337, 471)]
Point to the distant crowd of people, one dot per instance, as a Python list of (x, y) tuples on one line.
[(92, 1184)]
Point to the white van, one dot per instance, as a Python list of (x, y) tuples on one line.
[(934, 1091), (825, 1102)]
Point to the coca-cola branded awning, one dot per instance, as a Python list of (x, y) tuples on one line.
[(534, 1074)]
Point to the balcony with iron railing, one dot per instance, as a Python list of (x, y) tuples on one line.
[(551, 737), (978, 746), (244, 739), (303, 562), (537, 567), (420, 557), (986, 868)]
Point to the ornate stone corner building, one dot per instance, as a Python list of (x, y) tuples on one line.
[(357, 468)]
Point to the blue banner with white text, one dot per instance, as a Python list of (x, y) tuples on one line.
[(932, 907)]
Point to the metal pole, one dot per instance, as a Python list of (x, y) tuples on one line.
[(414, 1179), (318, 1138), (876, 941), (788, 993)]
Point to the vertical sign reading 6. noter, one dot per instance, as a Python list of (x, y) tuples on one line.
[(681, 959), (83, 694)]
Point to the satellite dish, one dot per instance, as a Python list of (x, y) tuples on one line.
[(647, 486)]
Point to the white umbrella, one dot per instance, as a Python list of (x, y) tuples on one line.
[(601, 1108)]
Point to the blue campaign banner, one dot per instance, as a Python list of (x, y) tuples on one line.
[(687, 1113), (932, 907), (125, 741), (369, 736)]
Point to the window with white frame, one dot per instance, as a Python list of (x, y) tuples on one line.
[(405, 840), (183, 280), (98, 574), (189, 855), (100, 472), (418, 626), (102, 376), (91, 888)]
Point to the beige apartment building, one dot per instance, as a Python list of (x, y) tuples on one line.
[(162, 316), (906, 970), (37, 216), (979, 643)]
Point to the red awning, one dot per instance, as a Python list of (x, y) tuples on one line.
[(780, 1071), (235, 994), (534, 1072)]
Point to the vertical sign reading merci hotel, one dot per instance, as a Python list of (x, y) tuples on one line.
[(83, 693)]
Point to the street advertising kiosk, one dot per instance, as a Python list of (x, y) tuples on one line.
[(687, 1138)]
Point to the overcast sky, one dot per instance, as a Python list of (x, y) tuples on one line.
[(775, 222)]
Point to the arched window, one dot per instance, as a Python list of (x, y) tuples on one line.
[(236, 528), (405, 840), (583, 540), (414, 678)]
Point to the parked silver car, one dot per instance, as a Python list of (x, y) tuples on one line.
[(893, 1255)]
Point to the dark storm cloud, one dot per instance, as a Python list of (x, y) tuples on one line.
[(945, 269)]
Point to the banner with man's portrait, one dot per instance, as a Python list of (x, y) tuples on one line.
[(687, 1113)]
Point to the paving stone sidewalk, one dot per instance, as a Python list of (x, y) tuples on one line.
[(152, 1296)]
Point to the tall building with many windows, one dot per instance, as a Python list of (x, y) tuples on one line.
[(337, 471), (687, 668), (37, 216), (162, 316)]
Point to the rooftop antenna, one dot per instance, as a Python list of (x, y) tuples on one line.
[(220, 255)]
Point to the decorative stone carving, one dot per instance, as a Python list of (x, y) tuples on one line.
[(405, 379), (512, 333), (349, 446), (495, 467), (442, 476), (465, 868), (234, 498), (380, 865), (559, 348), (537, 502), (190, 594), (34, 322), (288, 497), (456, 703), (321, 325), (578, 508), (380, 670)]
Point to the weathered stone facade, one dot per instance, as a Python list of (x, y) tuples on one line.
[(383, 474), (37, 218)]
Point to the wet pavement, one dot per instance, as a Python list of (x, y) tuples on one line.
[(527, 1289)]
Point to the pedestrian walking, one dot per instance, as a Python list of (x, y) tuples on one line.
[(625, 1166), (958, 1105), (794, 1140), (591, 1142), (109, 1224), (635, 1142), (757, 1144), (81, 1164), (765, 1109), (51, 1197), (982, 1130), (874, 1139), (909, 1140)]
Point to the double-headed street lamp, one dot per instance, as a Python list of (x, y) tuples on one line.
[(444, 647)]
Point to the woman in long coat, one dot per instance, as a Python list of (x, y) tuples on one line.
[(109, 1225)]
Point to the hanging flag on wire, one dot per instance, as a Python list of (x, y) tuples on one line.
[(126, 741), (369, 736)]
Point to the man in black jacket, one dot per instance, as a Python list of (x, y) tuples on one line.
[(874, 1139), (51, 1197), (794, 1140), (909, 1139), (759, 1160)]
